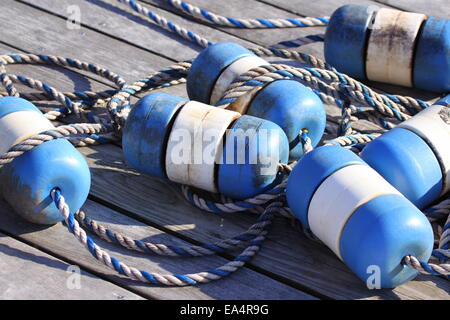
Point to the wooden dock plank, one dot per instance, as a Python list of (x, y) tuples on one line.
[(58, 241), (28, 273), (252, 9)]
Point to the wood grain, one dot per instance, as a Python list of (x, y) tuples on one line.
[(57, 241), (115, 38), (28, 273)]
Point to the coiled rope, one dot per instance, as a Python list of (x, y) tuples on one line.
[(350, 95), (169, 279)]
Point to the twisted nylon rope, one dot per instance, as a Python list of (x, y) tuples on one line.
[(164, 279), (442, 253), (228, 205), (219, 20), (164, 78), (59, 132), (44, 96), (317, 75), (439, 211), (175, 74)]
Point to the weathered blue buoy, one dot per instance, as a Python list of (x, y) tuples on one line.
[(27, 181), (287, 103), (432, 56), (216, 67), (415, 156), (206, 147), (359, 39), (367, 223)]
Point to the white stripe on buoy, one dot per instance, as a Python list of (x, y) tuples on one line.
[(233, 71), (431, 127), (339, 196), (196, 143), (390, 49), (18, 126)]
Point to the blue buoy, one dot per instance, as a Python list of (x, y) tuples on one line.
[(445, 101), (27, 181), (366, 222)]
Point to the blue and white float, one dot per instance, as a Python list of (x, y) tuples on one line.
[(27, 181), (415, 156), (359, 42), (287, 103), (367, 223), (206, 147)]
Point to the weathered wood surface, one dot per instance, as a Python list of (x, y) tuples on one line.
[(28, 273), (113, 36)]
